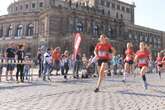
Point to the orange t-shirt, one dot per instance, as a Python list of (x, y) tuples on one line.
[(56, 55), (129, 54), (143, 58), (103, 50)]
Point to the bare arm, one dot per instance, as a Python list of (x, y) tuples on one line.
[(163, 60), (95, 52), (136, 59), (113, 51)]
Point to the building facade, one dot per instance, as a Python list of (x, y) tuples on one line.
[(54, 22)]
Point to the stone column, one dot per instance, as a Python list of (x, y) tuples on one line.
[(46, 28), (35, 33), (5, 30), (25, 29), (14, 30), (36, 28)]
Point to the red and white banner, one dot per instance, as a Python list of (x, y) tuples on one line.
[(77, 42)]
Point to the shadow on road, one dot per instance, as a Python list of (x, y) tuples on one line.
[(22, 86), (159, 91), (39, 96), (120, 80), (158, 86), (78, 81), (140, 94)]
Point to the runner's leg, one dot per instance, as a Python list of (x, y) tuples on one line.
[(101, 76), (142, 73)]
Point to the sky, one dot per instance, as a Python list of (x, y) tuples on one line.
[(148, 13)]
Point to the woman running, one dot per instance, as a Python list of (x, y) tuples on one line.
[(102, 53), (163, 61), (159, 63), (128, 60), (142, 59)]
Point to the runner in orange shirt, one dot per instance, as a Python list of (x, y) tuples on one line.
[(163, 61), (128, 60), (102, 53), (142, 60), (159, 63)]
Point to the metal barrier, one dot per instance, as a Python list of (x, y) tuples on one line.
[(4, 62)]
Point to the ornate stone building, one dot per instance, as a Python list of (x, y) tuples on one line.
[(53, 23)]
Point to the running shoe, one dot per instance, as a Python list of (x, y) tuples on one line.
[(44, 79), (145, 85), (96, 90), (49, 79), (124, 81), (65, 77)]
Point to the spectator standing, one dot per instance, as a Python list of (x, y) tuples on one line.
[(20, 61), (77, 66), (47, 64), (1, 67), (84, 60), (27, 66), (10, 56), (40, 61), (65, 64), (56, 55), (114, 63)]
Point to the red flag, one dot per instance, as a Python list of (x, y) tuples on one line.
[(77, 42)]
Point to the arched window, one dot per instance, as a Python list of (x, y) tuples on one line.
[(109, 31), (109, 12), (136, 38), (30, 30), (19, 31), (130, 36), (121, 16), (159, 41), (103, 12), (155, 40), (141, 38), (146, 38), (33, 5), (10, 31), (117, 15), (95, 30), (41, 4), (150, 39), (79, 27), (1, 32)]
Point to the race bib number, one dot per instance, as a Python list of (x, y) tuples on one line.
[(102, 53), (110, 56), (142, 61), (128, 58)]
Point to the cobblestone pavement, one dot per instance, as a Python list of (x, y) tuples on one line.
[(72, 94)]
